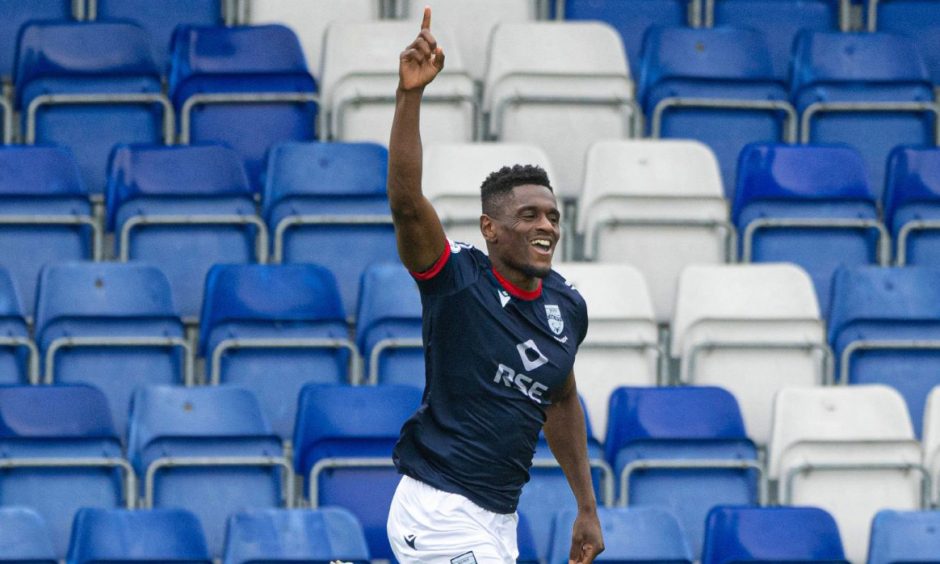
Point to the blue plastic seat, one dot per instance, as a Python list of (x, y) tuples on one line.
[(295, 535), (15, 13), (209, 450), (67, 426), (631, 19), (916, 19), (781, 188), (666, 427), (255, 317), (901, 305), (771, 534), (526, 541), (42, 188), (904, 537), (249, 63), (346, 422), (160, 19), (205, 207), (110, 325), (18, 358), (877, 69), (911, 202), (388, 326), (326, 203), (645, 535), (156, 535), (96, 59), (687, 73), (24, 537)]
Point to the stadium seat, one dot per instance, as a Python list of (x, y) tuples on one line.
[(112, 326), (45, 215), (15, 13), (525, 541), (452, 176), (256, 317), (714, 85), (19, 359), (24, 537), (59, 452), (309, 19), (472, 22), (247, 87), (359, 92), (914, 18), (560, 86), (930, 441), (631, 534), (631, 19), (847, 85), (161, 18), (295, 535), (912, 204), (904, 536), (780, 22), (326, 203), (751, 330), (388, 326), (884, 329), (209, 450), (683, 449), (343, 439), (809, 205), (88, 86), (850, 451), (183, 209), (621, 347), (771, 534), (120, 536), (657, 205)]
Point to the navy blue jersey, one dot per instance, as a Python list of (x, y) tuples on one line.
[(495, 356)]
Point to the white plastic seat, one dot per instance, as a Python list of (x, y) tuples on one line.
[(751, 329), (848, 450), (561, 86), (621, 346), (453, 173), (472, 22), (930, 439), (658, 205), (309, 19), (360, 74)]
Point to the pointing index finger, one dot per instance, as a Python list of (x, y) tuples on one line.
[(426, 23)]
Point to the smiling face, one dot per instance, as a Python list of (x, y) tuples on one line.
[(522, 231)]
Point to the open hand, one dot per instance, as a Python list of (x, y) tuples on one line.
[(587, 541), (420, 62)]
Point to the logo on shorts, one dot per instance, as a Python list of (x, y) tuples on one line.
[(410, 541), (465, 558), (555, 322)]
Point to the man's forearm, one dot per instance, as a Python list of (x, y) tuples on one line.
[(567, 437), (405, 153)]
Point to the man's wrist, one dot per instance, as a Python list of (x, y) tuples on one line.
[(409, 92)]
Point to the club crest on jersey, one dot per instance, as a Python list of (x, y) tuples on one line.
[(555, 322)]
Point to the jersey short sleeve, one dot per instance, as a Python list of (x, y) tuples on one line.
[(456, 268)]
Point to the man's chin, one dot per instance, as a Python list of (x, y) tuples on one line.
[(537, 271)]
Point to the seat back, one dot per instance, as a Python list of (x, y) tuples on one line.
[(67, 426), (289, 316), (24, 537), (911, 201), (209, 450), (620, 348), (911, 18), (771, 534), (872, 306), (388, 326), (17, 365), (14, 14), (453, 173), (930, 439), (291, 535), (903, 536), (332, 433), (264, 67), (115, 535), (89, 58), (848, 450), (641, 206), (826, 185)]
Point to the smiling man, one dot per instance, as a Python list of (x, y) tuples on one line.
[(500, 335)]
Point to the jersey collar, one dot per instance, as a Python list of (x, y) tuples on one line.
[(516, 291)]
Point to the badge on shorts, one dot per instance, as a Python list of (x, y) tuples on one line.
[(465, 558)]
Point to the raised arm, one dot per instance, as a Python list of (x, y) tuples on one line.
[(567, 437), (418, 230)]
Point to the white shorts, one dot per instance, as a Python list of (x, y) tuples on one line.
[(430, 526)]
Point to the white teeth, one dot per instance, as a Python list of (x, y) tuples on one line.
[(542, 243)]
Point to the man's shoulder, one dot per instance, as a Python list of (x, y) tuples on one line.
[(558, 284)]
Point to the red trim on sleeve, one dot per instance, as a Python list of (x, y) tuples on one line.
[(437, 266), (516, 290)]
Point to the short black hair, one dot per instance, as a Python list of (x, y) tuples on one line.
[(499, 183)]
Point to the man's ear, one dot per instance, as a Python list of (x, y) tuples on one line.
[(488, 228)]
